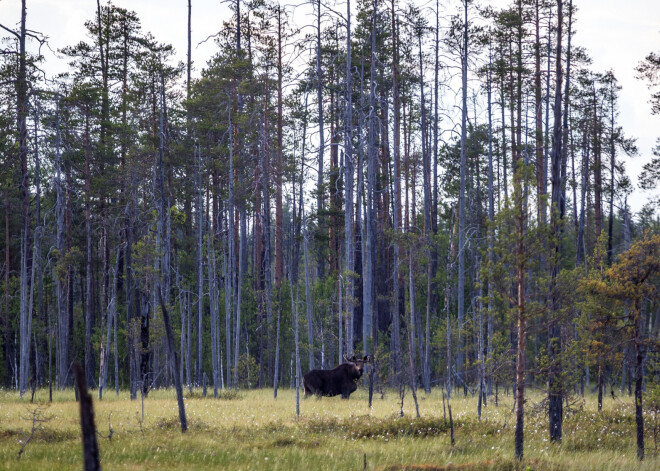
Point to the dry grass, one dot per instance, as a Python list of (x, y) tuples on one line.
[(251, 430)]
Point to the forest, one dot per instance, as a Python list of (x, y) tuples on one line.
[(439, 185)]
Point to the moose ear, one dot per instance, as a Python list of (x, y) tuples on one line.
[(366, 358)]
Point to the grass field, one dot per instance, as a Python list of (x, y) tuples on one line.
[(251, 430)]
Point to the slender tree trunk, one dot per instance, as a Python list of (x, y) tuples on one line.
[(309, 302), (639, 376), (540, 161), (279, 228), (610, 222), (62, 321), (21, 118), (521, 332), (426, 367), (319, 179), (174, 364), (491, 228), (461, 197), (348, 189), (396, 207), (555, 386), (89, 370), (200, 265), (231, 263), (369, 306)]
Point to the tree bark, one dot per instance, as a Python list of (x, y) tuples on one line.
[(555, 386)]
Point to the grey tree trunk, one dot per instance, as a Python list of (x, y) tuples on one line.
[(396, 207), (491, 228), (426, 366), (461, 197), (268, 272), (309, 301), (230, 265), (88, 255), (111, 319), (610, 223), (276, 375), (348, 190), (62, 324), (412, 324), (239, 283), (214, 301), (294, 309), (555, 386), (319, 180), (368, 284), (21, 115), (521, 322), (200, 265), (581, 249)]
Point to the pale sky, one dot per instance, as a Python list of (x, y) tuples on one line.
[(616, 34)]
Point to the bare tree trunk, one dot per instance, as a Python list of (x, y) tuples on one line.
[(520, 228), (279, 229), (62, 324), (396, 207), (21, 118), (461, 197), (276, 374), (214, 301), (639, 376), (348, 189), (412, 326), (555, 386), (309, 301), (540, 161), (581, 247), (111, 318), (239, 286), (426, 361), (8, 353), (319, 179), (200, 265), (610, 222), (491, 228), (174, 364), (90, 446), (369, 306), (230, 264), (88, 254)]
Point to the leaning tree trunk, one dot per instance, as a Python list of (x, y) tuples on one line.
[(174, 364)]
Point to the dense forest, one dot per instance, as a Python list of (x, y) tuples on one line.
[(441, 187)]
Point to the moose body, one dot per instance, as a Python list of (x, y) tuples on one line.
[(341, 380)]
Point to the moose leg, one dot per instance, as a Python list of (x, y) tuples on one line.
[(347, 390)]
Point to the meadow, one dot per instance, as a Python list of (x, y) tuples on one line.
[(251, 430)]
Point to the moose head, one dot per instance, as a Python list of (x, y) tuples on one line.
[(358, 363)]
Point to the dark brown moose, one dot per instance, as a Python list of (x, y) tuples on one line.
[(338, 381)]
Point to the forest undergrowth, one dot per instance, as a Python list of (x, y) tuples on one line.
[(251, 430)]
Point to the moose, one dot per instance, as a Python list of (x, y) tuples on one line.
[(340, 380)]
